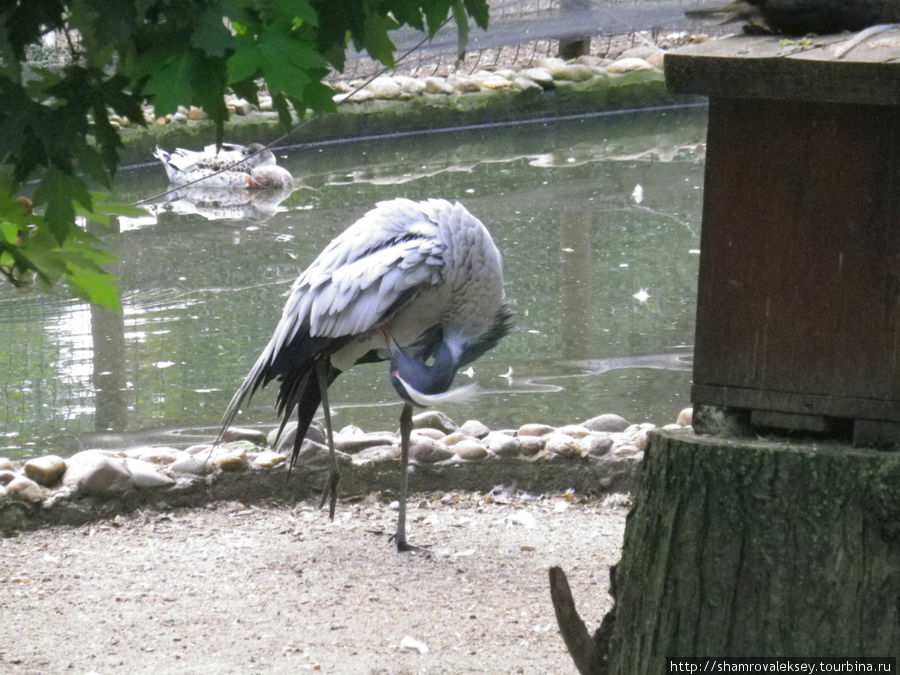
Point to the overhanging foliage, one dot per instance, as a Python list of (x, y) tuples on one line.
[(55, 124)]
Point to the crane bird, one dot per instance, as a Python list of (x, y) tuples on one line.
[(419, 284)]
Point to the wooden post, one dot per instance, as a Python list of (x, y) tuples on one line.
[(758, 548)]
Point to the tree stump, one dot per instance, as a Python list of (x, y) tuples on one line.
[(758, 548)]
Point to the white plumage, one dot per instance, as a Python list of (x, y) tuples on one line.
[(229, 166)]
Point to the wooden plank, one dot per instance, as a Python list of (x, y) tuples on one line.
[(799, 285), (774, 68)]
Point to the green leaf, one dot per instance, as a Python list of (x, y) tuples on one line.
[(301, 9), (245, 63), (58, 190), (210, 35), (98, 288), (91, 163), (376, 40), (170, 85)]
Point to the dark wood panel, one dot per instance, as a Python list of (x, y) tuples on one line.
[(799, 288)]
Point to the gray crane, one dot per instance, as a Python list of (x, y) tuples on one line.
[(417, 283)]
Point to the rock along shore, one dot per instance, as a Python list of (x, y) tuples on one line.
[(601, 454), (395, 103)]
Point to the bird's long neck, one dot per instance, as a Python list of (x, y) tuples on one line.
[(431, 378)]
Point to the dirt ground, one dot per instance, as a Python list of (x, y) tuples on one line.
[(281, 589)]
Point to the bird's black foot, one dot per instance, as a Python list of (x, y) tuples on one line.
[(404, 546), (330, 492)]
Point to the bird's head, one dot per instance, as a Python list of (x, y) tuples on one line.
[(426, 383), (256, 154)]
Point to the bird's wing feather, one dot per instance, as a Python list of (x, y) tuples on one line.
[(358, 281)]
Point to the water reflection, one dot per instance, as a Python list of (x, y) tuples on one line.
[(215, 204), (603, 285)]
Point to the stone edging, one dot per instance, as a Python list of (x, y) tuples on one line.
[(600, 455)]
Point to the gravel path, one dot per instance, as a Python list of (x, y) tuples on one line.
[(280, 589)]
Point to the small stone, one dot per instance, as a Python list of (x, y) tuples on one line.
[(268, 459), (501, 445), (596, 445), (196, 465), (45, 470), (437, 85), (507, 73), (540, 76), (524, 83), (434, 419), (496, 82), (433, 434), (685, 418), (575, 430), (590, 60), (25, 489), (470, 450), (285, 444), (3, 492), (409, 85), (523, 518), (642, 439), (243, 107), (265, 103), (317, 454), (464, 84), (163, 121), (374, 455), (551, 63), (159, 455), (6, 464), (355, 442), (6, 476), (428, 451), (196, 113), (384, 88), (607, 422), (412, 644), (121, 121), (230, 458), (628, 65), (99, 474), (452, 439), (474, 428), (535, 429), (358, 96), (562, 445), (640, 52), (146, 475), (255, 436), (179, 117), (627, 450), (575, 72), (530, 445)]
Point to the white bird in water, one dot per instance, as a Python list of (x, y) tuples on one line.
[(417, 283), (229, 166)]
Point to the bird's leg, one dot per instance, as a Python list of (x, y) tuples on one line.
[(405, 432), (330, 490)]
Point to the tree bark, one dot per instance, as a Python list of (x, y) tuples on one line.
[(757, 548)]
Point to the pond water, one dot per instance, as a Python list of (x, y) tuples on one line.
[(598, 219)]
